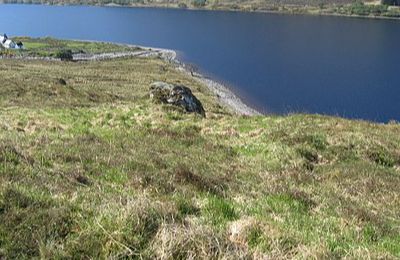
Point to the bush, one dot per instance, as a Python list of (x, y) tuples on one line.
[(65, 55), (199, 3), (360, 8), (182, 5), (393, 13)]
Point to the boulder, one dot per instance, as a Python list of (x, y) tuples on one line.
[(62, 82), (176, 95)]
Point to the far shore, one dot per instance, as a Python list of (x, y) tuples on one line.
[(305, 11), (291, 10)]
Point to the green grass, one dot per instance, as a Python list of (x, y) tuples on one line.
[(95, 169), (49, 47)]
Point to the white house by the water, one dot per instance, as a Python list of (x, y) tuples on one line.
[(9, 44)]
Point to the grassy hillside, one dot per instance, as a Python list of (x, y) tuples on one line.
[(51, 48), (95, 169)]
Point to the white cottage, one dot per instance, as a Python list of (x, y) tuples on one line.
[(8, 43)]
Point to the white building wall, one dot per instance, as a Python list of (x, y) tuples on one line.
[(9, 44)]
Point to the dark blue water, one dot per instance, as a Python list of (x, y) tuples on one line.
[(276, 63)]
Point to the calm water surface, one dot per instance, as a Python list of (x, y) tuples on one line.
[(275, 63)]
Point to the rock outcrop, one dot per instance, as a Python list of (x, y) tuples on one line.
[(176, 95)]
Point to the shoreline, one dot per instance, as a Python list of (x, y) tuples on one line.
[(225, 96), (223, 93), (305, 12)]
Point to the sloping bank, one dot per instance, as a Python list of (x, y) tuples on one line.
[(91, 168), (225, 96)]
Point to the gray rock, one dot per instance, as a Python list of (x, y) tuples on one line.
[(176, 95), (62, 82)]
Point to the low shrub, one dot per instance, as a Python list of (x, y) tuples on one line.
[(360, 8), (65, 55), (199, 3)]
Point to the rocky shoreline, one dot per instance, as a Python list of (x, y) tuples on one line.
[(225, 96)]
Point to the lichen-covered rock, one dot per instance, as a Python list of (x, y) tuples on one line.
[(176, 95)]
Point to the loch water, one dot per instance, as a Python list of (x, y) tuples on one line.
[(276, 63)]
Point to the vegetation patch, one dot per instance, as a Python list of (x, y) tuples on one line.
[(203, 184), (28, 223), (61, 49), (219, 211), (64, 55), (382, 157)]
